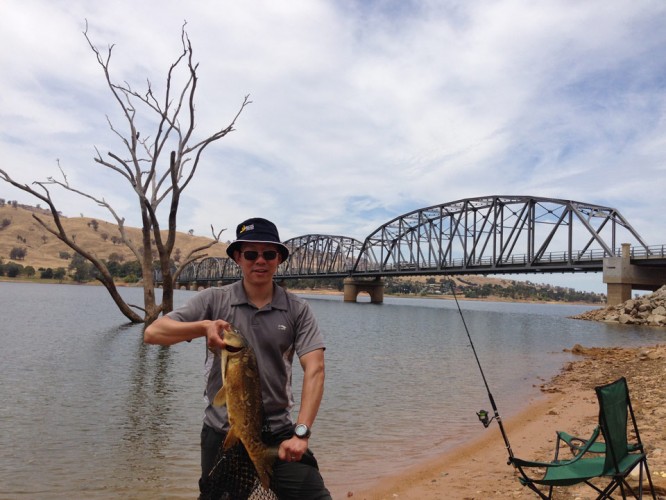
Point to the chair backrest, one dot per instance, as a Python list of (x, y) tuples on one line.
[(613, 413)]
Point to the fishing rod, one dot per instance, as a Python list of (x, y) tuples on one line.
[(483, 414)]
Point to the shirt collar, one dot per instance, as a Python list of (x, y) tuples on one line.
[(239, 297)]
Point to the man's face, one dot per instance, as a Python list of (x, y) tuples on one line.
[(254, 261)]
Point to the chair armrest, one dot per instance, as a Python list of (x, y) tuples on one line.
[(569, 438), (577, 444), (518, 462)]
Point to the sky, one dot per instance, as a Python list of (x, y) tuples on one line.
[(361, 111)]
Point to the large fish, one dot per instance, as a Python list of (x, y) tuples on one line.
[(241, 393)]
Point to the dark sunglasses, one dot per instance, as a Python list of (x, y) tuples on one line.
[(254, 255)]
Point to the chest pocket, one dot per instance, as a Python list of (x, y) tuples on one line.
[(279, 326)]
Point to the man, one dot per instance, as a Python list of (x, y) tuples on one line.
[(277, 324)]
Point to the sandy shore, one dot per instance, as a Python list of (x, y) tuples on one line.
[(479, 470)]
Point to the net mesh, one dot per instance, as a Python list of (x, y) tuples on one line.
[(234, 478)]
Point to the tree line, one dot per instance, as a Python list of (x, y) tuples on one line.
[(79, 270), (513, 290), (528, 291)]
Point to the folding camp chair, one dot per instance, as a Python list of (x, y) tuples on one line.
[(611, 460)]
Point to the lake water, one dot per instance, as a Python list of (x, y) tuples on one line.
[(89, 411)]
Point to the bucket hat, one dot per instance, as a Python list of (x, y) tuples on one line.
[(257, 230)]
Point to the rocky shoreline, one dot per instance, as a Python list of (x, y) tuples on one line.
[(645, 371), (649, 310)]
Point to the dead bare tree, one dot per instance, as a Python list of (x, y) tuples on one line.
[(153, 178)]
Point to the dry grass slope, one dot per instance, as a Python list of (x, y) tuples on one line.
[(43, 249)]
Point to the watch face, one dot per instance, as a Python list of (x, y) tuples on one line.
[(301, 430)]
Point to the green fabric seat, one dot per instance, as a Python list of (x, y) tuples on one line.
[(613, 458)]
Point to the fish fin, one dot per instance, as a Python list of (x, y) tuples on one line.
[(220, 398), (231, 439), (271, 453)]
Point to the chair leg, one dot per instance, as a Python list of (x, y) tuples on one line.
[(647, 473), (624, 486), (539, 492), (642, 465)]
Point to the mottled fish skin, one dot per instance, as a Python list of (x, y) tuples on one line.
[(241, 393)]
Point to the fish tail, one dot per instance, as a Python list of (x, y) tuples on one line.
[(264, 479), (264, 466)]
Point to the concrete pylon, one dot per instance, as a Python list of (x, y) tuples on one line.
[(354, 286), (622, 277)]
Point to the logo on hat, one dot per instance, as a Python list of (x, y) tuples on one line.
[(246, 228)]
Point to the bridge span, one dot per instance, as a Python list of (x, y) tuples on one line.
[(485, 235)]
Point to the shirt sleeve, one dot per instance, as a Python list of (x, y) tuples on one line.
[(308, 337), (196, 308)]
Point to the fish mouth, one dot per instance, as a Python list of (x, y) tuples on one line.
[(233, 348)]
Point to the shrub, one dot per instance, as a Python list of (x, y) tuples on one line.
[(132, 278), (13, 270), (83, 270), (116, 257), (18, 253)]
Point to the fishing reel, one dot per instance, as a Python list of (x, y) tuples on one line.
[(483, 418)]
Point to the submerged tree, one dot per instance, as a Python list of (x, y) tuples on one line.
[(158, 167)]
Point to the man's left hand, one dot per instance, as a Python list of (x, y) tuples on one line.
[(292, 449)]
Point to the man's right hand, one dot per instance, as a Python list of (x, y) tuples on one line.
[(215, 335)]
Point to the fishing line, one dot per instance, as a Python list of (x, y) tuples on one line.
[(483, 414)]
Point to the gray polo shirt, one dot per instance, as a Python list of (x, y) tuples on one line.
[(275, 332)]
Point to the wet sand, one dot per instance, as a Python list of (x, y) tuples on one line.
[(479, 470)]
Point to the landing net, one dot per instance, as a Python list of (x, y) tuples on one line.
[(234, 478)]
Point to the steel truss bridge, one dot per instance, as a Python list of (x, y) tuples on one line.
[(485, 235)]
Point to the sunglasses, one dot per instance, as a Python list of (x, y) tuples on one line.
[(254, 255)]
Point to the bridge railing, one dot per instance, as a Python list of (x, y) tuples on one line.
[(222, 269), (651, 252), (590, 256)]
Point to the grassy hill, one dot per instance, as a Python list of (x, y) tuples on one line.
[(18, 229)]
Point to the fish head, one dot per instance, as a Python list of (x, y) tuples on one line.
[(234, 340)]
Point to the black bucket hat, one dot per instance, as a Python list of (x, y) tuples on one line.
[(257, 230)]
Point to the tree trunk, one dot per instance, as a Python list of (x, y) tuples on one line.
[(167, 290), (151, 309)]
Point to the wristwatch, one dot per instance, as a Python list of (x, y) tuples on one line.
[(302, 431)]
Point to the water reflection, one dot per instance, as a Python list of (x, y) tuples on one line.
[(148, 431)]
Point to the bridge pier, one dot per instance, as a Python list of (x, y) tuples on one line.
[(354, 286), (622, 277)]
